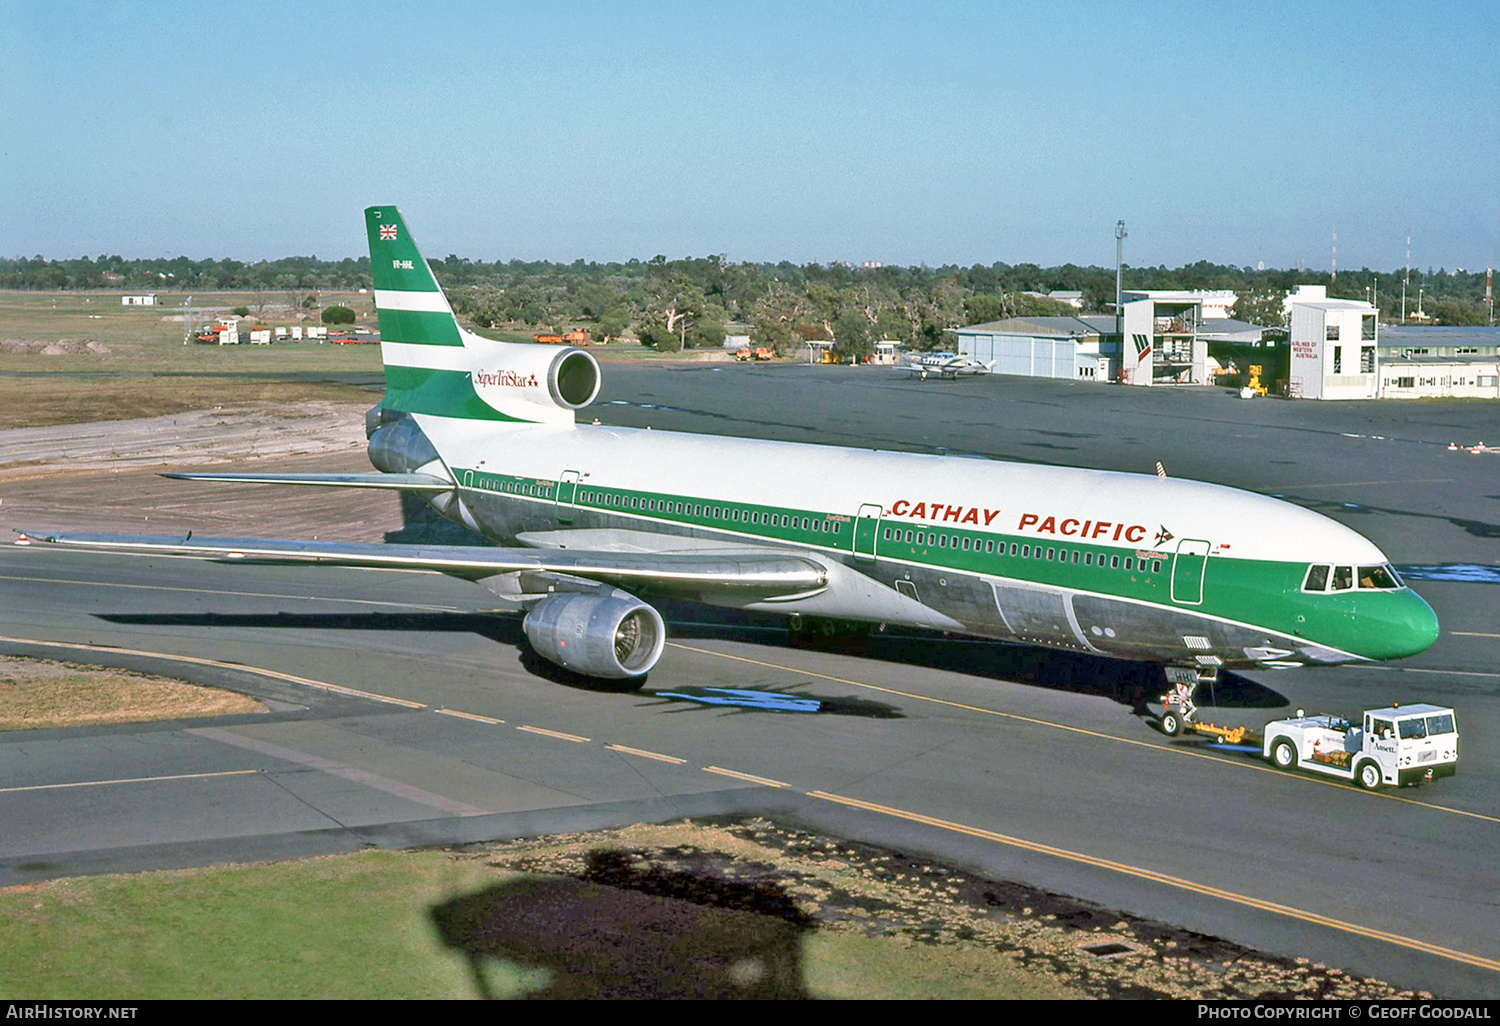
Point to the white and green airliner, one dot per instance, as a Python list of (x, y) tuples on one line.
[(592, 521)]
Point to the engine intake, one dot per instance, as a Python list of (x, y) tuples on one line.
[(607, 636)]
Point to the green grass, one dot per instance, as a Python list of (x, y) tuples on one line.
[(145, 339), (359, 926)]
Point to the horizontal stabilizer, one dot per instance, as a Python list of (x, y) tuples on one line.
[(769, 573), (395, 482)]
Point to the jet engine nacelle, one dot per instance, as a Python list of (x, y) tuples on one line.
[(511, 377), (608, 636)]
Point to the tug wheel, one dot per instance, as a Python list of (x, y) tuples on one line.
[(1368, 776), (1284, 754)]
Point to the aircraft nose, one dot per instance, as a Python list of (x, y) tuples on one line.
[(1416, 627)]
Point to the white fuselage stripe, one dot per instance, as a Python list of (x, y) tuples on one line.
[(409, 354), (428, 302)]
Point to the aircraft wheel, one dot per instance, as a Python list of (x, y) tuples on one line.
[(1284, 754), (1368, 776), (1171, 723)]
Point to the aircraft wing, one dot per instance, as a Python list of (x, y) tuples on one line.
[(765, 572), (394, 482)]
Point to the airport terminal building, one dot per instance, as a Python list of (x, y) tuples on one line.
[(1432, 361)]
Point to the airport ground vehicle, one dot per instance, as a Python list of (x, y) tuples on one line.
[(1398, 745)]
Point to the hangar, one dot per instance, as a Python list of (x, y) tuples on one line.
[(1077, 348)]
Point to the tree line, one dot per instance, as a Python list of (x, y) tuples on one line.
[(674, 304)]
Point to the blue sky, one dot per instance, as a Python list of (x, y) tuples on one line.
[(939, 133)]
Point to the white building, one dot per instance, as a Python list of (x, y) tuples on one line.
[(1334, 352), (149, 299), (1444, 361), (1161, 341)]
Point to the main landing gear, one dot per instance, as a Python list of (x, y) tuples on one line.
[(1179, 708)]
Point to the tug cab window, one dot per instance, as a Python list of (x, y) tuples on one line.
[(1413, 729)]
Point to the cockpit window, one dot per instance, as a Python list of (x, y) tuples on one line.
[(1317, 578), (1378, 577), (1343, 578)]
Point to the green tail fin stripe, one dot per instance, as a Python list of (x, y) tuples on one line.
[(395, 263), (442, 393), (408, 299)]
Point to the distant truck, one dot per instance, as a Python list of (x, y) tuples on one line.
[(576, 337), (1396, 746)]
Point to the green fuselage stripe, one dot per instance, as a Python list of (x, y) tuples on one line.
[(1264, 593)]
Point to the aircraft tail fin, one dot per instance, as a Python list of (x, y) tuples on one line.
[(434, 366)]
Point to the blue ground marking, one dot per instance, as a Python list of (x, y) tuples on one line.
[(1221, 747), (745, 698), (1472, 573)]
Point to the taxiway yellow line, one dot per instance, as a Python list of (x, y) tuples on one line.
[(321, 685), (626, 749), (747, 777), (234, 594), (1099, 735), (469, 716), (129, 780), (553, 733), (1164, 878)]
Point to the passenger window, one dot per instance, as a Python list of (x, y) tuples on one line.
[(1114, 562), (1129, 563), (1343, 578), (1317, 578), (1051, 554)]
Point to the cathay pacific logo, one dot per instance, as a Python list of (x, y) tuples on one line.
[(506, 379)]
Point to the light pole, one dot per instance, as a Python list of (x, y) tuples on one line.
[(1120, 234)]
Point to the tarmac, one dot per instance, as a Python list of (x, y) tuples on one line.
[(403, 713)]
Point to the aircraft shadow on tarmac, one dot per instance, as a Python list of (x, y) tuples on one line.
[(1127, 683), (621, 932)]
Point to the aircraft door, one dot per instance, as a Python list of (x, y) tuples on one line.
[(567, 495), (867, 530), (1188, 568)]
